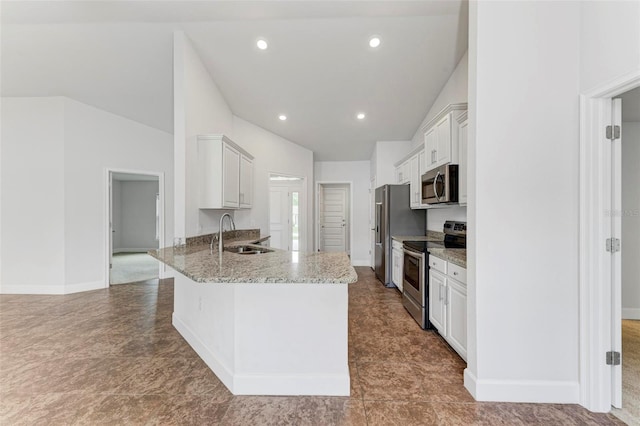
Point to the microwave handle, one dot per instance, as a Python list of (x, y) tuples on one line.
[(435, 187)]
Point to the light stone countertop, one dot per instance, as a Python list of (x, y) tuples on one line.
[(199, 264), (457, 256), (454, 255)]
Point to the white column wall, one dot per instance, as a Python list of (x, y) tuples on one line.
[(32, 193), (524, 116), (357, 173)]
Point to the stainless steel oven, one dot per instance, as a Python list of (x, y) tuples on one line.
[(415, 285), (440, 185)]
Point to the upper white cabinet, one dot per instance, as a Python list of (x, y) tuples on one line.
[(463, 162), (246, 182), (441, 137), (225, 174), (403, 172)]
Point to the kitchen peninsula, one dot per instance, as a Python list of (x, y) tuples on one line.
[(267, 324)]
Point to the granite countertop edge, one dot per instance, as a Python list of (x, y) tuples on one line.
[(201, 264)]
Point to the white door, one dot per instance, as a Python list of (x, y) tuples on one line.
[(230, 177), (333, 219), (437, 305), (278, 217)]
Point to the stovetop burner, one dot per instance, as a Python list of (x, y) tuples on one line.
[(455, 236)]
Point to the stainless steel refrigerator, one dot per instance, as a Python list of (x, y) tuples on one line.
[(394, 216)]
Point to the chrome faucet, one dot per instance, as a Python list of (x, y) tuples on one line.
[(233, 227)]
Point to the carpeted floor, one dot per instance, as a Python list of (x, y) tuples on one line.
[(630, 412), (132, 267)]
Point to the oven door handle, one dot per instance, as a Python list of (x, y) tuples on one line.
[(412, 253)]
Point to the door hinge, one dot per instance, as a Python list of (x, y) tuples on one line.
[(613, 358), (613, 245), (612, 132)]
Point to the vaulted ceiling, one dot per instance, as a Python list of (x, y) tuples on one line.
[(318, 70)]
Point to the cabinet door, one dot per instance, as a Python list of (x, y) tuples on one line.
[(396, 275), (414, 184), (457, 317), (399, 174), (443, 144), (230, 177), (430, 147), (463, 163), (246, 182), (437, 307)]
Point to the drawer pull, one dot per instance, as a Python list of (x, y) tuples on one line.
[(455, 273)]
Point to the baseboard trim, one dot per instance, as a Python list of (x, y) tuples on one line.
[(51, 289), (542, 391), (631, 313), (360, 262), (224, 373), (133, 250), (265, 384)]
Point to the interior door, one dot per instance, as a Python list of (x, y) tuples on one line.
[(334, 219), (279, 218)]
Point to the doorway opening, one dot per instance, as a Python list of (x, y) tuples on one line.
[(287, 207), (135, 226), (604, 245), (628, 221), (333, 217)]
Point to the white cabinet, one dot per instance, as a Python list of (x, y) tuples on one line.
[(437, 304), (397, 256), (440, 137), (403, 172), (415, 197), (463, 162), (222, 168), (448, 302), (246, 182)]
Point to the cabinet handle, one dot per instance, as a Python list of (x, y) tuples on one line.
[(455, 273)]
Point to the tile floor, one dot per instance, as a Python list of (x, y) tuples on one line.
[(112, 357)]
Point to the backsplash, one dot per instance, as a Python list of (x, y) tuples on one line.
[(238, 234)]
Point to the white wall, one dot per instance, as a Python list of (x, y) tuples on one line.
[(455, 90), (630, 220), (523, 327), (356, 173), (273, 154), (385, 154), (138, 216), (32, 192), (94, 141), (67, 252), (199, 108), (609, 41), (116, 214)]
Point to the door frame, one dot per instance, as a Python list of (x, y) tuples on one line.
[(596, 287), (108, 219), (317, 213), (304, 209)]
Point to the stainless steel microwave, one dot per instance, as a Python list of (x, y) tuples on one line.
[(440, 185)]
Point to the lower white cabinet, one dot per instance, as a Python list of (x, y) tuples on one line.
[(397, 256), (448, 302)]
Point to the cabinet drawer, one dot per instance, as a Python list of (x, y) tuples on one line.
[(396, 245), (438, 264), (458, 273)]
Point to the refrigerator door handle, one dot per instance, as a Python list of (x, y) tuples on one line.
[(378, 216)]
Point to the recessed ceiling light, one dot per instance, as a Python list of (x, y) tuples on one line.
[(282, 117), (374, 41), (360, 116), (262, 44)]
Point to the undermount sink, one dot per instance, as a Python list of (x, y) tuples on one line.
[(247, 250)]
